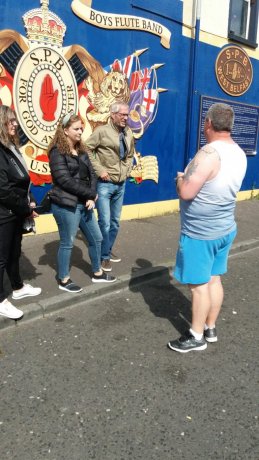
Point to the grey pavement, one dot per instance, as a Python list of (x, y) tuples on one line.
[(147, 248), (97, 382)]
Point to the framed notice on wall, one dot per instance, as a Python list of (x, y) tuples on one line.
[(245, 130)]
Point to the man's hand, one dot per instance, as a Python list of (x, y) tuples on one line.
[(203, 167), (179, 174), (105, 176), (179, 178)]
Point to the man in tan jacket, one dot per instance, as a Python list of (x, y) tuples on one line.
[(111, 148)]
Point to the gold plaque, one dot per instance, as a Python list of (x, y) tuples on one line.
[(234, 70)]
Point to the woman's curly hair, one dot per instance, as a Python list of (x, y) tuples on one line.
[(7, 114), (60, 139)]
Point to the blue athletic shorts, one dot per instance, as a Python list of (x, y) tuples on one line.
[(198, 260)]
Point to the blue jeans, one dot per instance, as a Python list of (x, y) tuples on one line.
[(68, 221), (109, 205)]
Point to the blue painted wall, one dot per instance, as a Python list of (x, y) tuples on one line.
[(167, 137)]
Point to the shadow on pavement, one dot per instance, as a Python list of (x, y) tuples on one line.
[(163, 298), (28, 272), (77, 258)]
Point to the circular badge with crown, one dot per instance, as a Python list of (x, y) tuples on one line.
[(45, 89)]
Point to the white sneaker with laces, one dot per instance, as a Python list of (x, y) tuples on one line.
[(26, 291), (8, 310)]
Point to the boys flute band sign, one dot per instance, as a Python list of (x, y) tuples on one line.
[(83, 9)]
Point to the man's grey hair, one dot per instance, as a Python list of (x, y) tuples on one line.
[(115, 107), (221, 116)]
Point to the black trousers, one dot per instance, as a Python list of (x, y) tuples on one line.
[(10, 252)]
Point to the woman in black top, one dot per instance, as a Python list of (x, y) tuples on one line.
[(14, 208), (73, 199)]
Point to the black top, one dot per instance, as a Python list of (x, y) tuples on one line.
[(14, 186), (74, 180)]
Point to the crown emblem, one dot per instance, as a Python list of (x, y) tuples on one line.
[(43, 26)]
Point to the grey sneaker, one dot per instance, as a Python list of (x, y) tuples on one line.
[(187, 343), (69, 286), (106, 265), (103, 278), (115, 258), (211, 335)]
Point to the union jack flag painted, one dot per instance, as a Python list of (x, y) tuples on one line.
[(140, 79), (121, 65)]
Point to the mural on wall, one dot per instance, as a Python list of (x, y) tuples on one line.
[(83, 9), (43, 81)]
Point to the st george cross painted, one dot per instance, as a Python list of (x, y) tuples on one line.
[(42, 81)]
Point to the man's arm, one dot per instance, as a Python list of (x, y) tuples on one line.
[(203, 167), (91, 145)]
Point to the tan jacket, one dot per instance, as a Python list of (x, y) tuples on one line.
[(103, 150)]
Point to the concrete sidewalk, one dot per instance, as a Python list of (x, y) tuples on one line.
[(147, 248)]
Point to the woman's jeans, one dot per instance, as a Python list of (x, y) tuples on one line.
[(10, 251), (68, 221), (109, 205)]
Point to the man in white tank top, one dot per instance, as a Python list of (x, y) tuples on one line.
[(207, 190)]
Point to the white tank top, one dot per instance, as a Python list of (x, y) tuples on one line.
[(210, 215)]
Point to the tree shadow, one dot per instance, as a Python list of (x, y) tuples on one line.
[(164, 299)]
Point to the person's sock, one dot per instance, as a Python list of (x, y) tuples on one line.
[(196, 335), (207, 327)]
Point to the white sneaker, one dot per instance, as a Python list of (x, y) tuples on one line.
[(26, 291), (8, 310)]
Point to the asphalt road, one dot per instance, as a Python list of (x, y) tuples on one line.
[(97, 381)]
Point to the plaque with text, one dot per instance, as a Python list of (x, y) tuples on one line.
[(245, 130)]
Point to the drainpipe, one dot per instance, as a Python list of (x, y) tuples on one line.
[(191, 112)]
